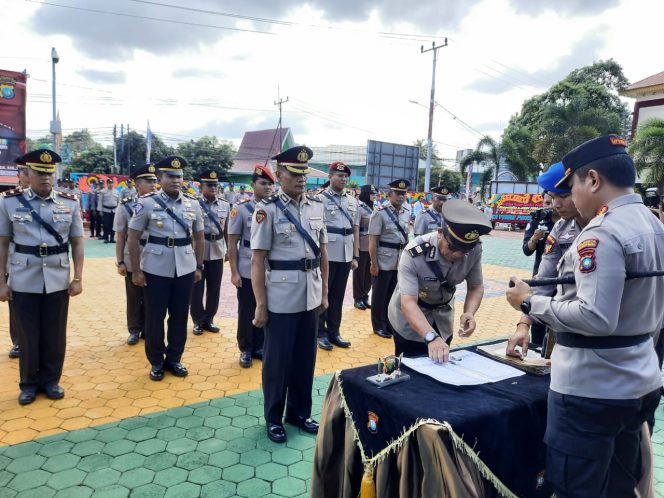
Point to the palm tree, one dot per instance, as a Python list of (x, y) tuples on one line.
[(647, 148)]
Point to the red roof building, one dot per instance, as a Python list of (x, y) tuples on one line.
[(649, 95)]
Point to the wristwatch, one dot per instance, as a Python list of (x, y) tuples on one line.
[(430, 336), (525, 306), (119, 263), (200, 267)]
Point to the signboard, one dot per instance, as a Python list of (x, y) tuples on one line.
[(12, 116), (387, 162), (514, 208)]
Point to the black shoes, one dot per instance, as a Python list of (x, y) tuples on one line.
[(133, 338), (54, 392), (359, 304), (198, 329), (176, 369), (15, 352), (245, 359), (337, 340), (366, 304), (306, 424), (276, 433), (211, 327), (324, 344), (157, 372), (258, 354), (383, 333), (27, 396)]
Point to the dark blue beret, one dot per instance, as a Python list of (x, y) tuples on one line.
[(590, 151)]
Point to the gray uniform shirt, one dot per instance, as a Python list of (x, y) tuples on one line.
[(381, 224), (365, 216), (121, 224), (215, 249), (30, 273), (230, 197), (150, 217), (290, 291), (339, 247), (108, 200), (417, 279), (427, 221), (626, 238), (558, 242), (239, 223)]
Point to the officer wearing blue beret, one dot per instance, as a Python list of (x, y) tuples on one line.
[(605, 378)]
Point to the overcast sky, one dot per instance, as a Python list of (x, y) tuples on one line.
[(348, 67)]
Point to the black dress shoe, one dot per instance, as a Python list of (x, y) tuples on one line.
[(245, 359), (212, 327), (112, 241), (157, 372), (27, 396), (306, 424), (383, 333), (366, 304), (107, 242), (198, 330), (54, 392), (15, 352), (176, 369), (359, 304), (258, 354), (324, 343), (133, 338), (337, 340), (276, 433)]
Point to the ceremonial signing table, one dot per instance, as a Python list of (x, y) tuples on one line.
[(423, 438)]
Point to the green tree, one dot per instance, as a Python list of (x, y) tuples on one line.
[(441, 176), (37, 143), (518, 146), (79, 141), (206, 152), (131, 152), (96, 159), (436, 160), (647, 148), (488, 151)]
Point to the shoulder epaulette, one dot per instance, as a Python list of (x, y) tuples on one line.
[(313, 197), (67, 195), (272, 198), (13, 192), (380, 208), (243, 201), (149, 194), (191, 196), (419, 249), (126, 200)]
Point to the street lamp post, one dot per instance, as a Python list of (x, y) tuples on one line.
[(55, 126)]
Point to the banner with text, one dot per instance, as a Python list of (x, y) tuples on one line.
[(12, 117), (514, 208)]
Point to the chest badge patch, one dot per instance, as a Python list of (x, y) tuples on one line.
[(586, 250), (233, 212), (260, 216), (550, 244)]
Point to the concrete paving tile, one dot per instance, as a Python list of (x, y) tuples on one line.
[(66, 479), (183, 490), (170, 476), (61, 462), (151, 490)]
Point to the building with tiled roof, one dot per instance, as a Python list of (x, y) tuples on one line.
[(649, 95)]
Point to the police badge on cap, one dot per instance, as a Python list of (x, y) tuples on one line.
[(465, 224), (401, 185), (295, 159)]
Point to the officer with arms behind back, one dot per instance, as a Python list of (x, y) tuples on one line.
[(249, 337), (42, 224), (388, 235), (431, 218), (169, 265), (605, 380), (108, 201), (288, 230), (422, 306), (362, 276)]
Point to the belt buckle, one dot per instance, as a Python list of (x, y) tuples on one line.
[(43, 250), (308, 264), (213, 237), (170, 242)]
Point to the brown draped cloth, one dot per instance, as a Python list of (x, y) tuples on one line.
[(428, 460)]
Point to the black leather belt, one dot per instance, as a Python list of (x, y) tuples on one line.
[(300, 264), (169, 241), (430, 306), (340, 231), (363, 229), (246, 243), (213, 237), (42, 250), (606, 342), (391, 245)]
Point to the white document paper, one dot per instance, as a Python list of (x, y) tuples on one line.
[(465, 368)]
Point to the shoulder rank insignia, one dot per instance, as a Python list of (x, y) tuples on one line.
[(550, 244), (150, 194), (126, 200), (67, 195), (419, 249), (13, 192), (272, 198), (190, 196), (602, 210), (586, 250), (380, 208), (243, 201), (313, 197)]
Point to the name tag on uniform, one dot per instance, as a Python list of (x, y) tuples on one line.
[(314, 218), (283, 220), (430, 279), (62, 210)]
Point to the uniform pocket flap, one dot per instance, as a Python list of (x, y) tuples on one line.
[(19, 260), (316, 225), (331, 237), (286, 276), (152, 249), (64, 260)]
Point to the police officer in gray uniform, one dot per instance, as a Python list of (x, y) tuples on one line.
[(422, 306), (431, 219), (172, 261), (343, 249), (42, 223), (130, 191), (107, 203), (249, 337), (361, 275), (288, 232), (558, 242), (605, 379), (388, 235), (146, 181), (91, 201), (215, 217)]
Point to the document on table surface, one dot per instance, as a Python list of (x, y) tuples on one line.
[(465, 368), (532, 362)]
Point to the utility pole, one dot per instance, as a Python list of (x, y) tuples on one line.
[(115, 149), (432, 103), (280, 102), (128, 149), (122, 147)]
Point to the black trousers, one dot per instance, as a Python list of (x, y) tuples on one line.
[(41, 324), (13, 332), (109, 233), (362, 277), (135, 306), (330, 319), (537, 333), (166, 295), (383, 287), (289, 359), (593, 444), (210, 285), (93, 224), (98, 223), (249, 337)]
